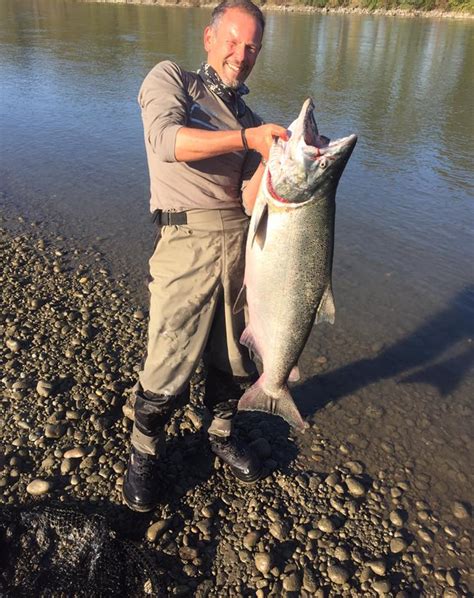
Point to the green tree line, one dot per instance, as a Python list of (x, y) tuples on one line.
[(423, 5)]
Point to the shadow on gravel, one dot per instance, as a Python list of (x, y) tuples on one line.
[(417, 352), (189, 460)]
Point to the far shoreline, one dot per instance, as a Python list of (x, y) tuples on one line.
[(294, 8)]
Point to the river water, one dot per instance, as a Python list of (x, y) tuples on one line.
[(72, 157)]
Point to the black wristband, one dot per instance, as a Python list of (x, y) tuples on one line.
[(244, 140)]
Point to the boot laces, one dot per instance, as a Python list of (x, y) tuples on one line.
[(233, 448), (144, 465)]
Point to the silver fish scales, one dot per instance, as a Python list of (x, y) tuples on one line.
[(289, 256)]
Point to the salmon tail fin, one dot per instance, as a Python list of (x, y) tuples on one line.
[(255, 399), (326, 309)]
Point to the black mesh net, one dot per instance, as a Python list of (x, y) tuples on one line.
[(50, 551)]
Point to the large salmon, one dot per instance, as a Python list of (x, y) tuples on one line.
[(289, 259)]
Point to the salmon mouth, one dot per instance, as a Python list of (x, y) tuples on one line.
[(310, 128), (310, 134), (330, 149)]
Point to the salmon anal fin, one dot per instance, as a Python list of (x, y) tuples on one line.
[(247, 339), (241, 300), (326, 310), (260, 225), (255, 399), (294, 374)]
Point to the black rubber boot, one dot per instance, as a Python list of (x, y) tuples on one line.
[(140, 486), (243, 463)]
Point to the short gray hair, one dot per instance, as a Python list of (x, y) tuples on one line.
[(244, 5)]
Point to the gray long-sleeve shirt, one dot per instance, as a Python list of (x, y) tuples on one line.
[(171, 98)]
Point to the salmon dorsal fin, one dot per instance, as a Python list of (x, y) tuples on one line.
[(326, 311), (260, 225), (240, 301)]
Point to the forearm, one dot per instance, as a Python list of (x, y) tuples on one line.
[(196, 144)]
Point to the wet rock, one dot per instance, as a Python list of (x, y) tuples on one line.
[(195, 418), (425, 535), (332, 479), (355, 467), (39, 487), (292, 583), (398, 545), (44, 388), (47, 464), (397, 517), (207, 511), (278, 530), (66, 466), (452, 578), (157, 529), (119, 467), (461, 510), (379, 567), (54, 430), (204, 526), (263, 562), (188, 553), (342, 554), (272, 514), (382, 586), (75, 453), (250, 540), (423, 515), (355, 487), (309, 581), (326, 525), (338, 574), (13, 345)]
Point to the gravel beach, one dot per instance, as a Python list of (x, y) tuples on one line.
[(343, 511)]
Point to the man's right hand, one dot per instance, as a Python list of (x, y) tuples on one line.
[(261, 138)]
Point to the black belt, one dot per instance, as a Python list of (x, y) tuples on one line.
[(161, 218)]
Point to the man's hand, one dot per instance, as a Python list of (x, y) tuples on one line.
[(261, 138)]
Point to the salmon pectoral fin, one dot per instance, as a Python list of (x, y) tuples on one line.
[(255, 399), (240, 301), (247, 340), (326, 311), (260, 226)]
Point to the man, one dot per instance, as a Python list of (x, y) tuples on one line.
[(205, 149)]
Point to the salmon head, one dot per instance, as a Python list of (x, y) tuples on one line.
[(308, 165)]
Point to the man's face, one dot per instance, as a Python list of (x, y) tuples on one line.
[(233, 45)]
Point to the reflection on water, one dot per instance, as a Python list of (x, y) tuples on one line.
[(72, 139)]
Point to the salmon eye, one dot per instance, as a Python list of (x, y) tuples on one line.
[(323, 163)]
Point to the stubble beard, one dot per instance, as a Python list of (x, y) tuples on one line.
[(236, 81)]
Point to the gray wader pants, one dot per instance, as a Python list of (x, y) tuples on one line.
[(196, 273)]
